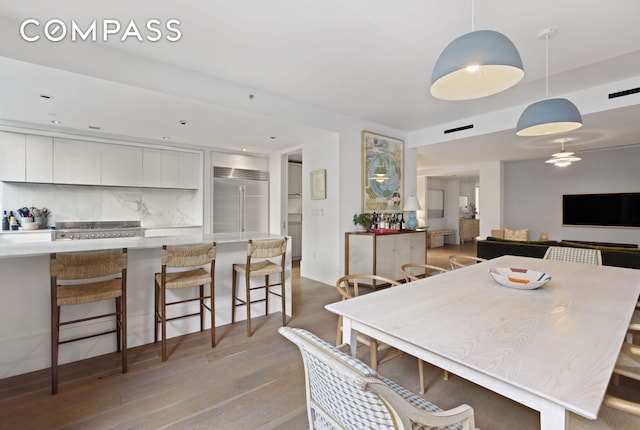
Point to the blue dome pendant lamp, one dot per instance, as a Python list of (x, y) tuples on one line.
[(475, 65), (549, 116)]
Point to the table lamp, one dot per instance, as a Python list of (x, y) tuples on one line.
[(412, 205)]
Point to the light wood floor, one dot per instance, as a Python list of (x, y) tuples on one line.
[(243, 383), (440, 256)]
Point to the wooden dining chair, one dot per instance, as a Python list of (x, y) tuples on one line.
[(574, 255), (409, 270), (415, 271), (344, 393), (460, 261), (183, 267), (260, 254), (349, 287), (627, 364), (86, 277)]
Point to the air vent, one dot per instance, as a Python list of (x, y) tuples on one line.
[(624, 93), (95, 127), (231, 173), (453, 130)]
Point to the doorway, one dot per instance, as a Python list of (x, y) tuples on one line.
[(294, 203)]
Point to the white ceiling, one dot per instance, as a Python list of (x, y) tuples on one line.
[(369, 59)]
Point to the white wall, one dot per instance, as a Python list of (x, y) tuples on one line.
[(533, 193)]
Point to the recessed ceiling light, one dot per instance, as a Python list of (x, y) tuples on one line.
[(55, 121), (46, 96), (166, 137), (272, 138), (183, 122), (244, 149)]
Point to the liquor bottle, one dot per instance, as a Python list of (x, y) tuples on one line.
[(401, 221), (5, 221)]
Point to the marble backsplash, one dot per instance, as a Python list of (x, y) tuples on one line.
[(153, 207)]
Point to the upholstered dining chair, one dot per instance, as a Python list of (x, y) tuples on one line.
[(410, 271), (460, 261), (259, 263), (86, 277), (344, 393), (575, 255), (349, 286), (185, 266)]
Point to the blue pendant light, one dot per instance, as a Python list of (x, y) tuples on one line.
[(549, 116), (476, 64)]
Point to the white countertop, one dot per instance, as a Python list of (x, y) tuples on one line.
[(8, 250)]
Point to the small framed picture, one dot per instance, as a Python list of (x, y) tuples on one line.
[(318, 184)]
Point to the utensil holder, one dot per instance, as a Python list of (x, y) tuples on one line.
[(41, 221)]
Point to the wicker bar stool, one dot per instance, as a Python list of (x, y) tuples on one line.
[(261, 250), (187, 269), (105, 276)]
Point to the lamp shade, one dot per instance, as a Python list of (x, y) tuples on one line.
[(411, 204), (549, 116), (476, 64)]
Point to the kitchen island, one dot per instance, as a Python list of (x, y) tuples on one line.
[(25, 296)]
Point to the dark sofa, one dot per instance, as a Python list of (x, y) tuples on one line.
[(611, 256)]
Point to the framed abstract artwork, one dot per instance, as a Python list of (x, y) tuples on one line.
[(318, 184), (382, 169)]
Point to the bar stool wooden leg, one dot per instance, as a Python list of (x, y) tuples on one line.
[(234, 278), (248, 299), (55, 324), (163, 321), (284, 301), (118, 324), (266, 294), (201, 307), (123, 323), (156, 310)]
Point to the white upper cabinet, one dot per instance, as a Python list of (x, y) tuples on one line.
[(170, 169), (45, 159), (121, 165), (25, 157), (12, 156), (76, 162), (152, 167), (39, 159), (189, 170)]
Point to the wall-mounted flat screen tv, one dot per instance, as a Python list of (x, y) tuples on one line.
[(607, 209)]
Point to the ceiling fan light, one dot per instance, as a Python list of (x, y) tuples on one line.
[(550, 116), (475, 65)]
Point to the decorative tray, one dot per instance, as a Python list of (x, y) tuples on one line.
[(522, 279), (384, 230)]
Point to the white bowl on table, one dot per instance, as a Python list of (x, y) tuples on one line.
[(521, 279), (30, 226)]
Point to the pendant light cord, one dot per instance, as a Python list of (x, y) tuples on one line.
[(473, 13), (546, 72)]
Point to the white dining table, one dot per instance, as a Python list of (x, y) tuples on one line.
[(552, 349)]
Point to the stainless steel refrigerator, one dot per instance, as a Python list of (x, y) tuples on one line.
[(240, 200)]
